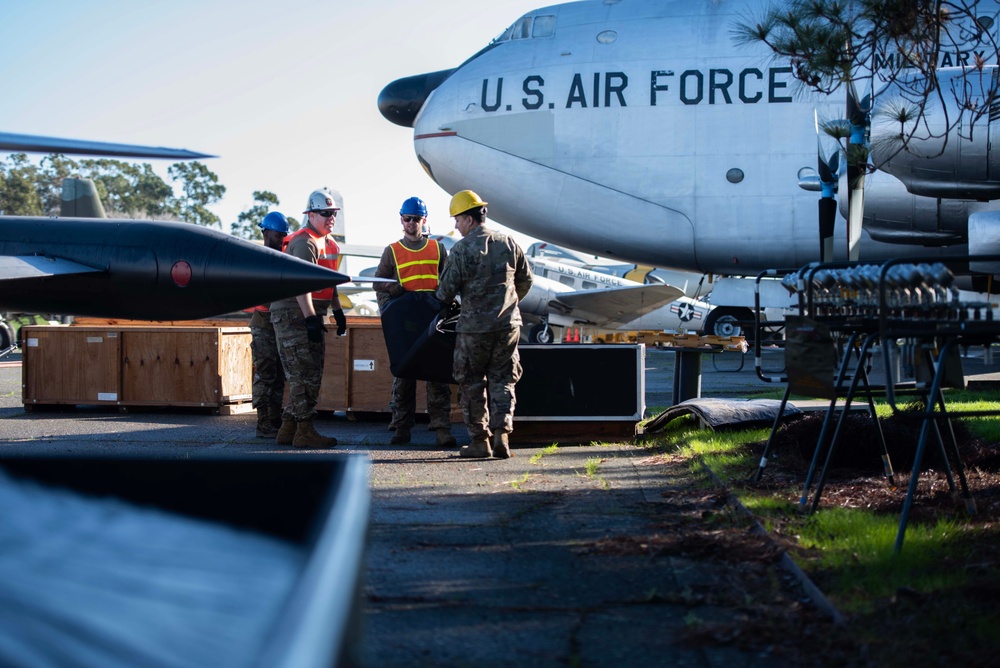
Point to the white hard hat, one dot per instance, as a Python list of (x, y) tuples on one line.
[(319, 200)]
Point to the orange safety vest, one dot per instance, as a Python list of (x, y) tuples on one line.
[(329, 255), (417, 269)]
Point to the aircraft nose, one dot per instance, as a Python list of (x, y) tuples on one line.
[(401, 101)]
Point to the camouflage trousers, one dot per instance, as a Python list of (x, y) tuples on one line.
[(268, 374), (302, 360), (487, 366), (404, 404)]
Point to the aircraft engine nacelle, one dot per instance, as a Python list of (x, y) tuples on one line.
[(894, 215), (937, 162), (984, 239)]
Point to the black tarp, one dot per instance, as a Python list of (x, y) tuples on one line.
[(419, 338)]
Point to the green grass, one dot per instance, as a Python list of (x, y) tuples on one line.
[(934, 601), (856, 548), (591, 467), (517, 484), (849, 549), (986, 427), (537, 457)]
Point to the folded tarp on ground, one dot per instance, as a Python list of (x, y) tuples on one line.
[(421, 345), (723, 413)]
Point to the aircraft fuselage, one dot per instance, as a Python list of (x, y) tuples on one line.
[(641, 130)]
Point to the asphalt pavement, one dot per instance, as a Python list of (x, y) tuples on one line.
[(479, 562)]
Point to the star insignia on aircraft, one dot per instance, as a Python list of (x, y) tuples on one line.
[(685, 311)]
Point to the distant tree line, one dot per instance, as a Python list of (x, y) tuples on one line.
[(127, 190)]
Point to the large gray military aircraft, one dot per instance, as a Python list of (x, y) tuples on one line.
[(145, 270), (641, 130)]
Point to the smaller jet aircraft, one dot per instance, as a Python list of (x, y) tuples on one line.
[(694, 285), (565, 295)]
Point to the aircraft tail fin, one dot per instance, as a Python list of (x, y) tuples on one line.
[(80, 200)]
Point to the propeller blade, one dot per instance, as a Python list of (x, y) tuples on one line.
[(827, 214)]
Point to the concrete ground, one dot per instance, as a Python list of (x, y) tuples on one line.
[(473, 562)]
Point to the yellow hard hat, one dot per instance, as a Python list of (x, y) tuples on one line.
[(463, 201)]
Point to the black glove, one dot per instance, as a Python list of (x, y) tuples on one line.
[(451, 310), (315, 328), (341, 321), (396, 290)]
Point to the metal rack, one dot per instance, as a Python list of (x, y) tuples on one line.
[(909, 306)]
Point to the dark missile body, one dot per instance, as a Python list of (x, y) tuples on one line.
[(143, 270)]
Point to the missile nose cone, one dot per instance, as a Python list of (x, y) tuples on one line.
[(238, 270), (402, 100)]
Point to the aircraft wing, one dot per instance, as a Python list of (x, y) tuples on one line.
[(613, 307), (361, 250), (361, 284), (37, 144), (38, 266)]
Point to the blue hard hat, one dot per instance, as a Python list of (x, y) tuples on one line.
[(275, 221), (413, 207)]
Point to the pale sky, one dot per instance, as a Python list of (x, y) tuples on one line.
[(284, 92)]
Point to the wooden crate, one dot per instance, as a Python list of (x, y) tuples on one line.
[(137, 366), (68, 365), (369, 379), (332, 391), (186, 366)]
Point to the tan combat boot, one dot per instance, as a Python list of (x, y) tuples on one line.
[(401, 436), (478, 449), (307, 438), (445, 439), (265, 428), (286, 433), (501, 446)]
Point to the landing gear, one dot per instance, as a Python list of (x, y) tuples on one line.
[(730, 321), (7, 343), (540, 333)]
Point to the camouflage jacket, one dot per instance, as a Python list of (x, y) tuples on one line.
[(488, 271)]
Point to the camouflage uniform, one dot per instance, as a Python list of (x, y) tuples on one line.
[(488, 270), (268, 374), (301, 358), (404, 390)]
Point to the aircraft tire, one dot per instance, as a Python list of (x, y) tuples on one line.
[(730, 321), (6, 336), (540, 334)]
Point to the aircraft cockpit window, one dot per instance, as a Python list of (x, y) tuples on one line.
[(545, 26), (527, 26), (522, 29), (503, 37)]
